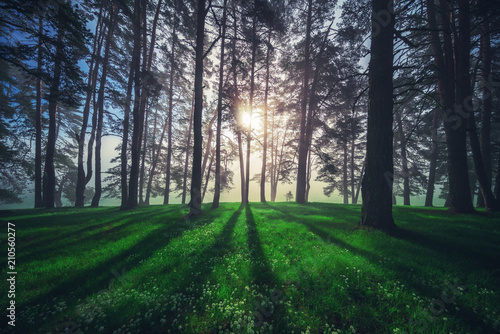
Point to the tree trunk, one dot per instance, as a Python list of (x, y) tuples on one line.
[(464, 91), (38, 122), (100, 110), (195, 203), (91, 83), (278, 163), (302, 160), (138, 116), (361, 175), (49, 173), (353, 188), (166, 195), (207, 177), (208, 145), (404, 160), (309, 174), (497, 181), (485, 54), (143, 157), (237, 111), (250, 112), (126, 124), (455, 128), (264, 119), (344, 174), (429, 196), (215, 203), (377, 182), (271, 170), (482, 176), (186, 164), (153, 157)]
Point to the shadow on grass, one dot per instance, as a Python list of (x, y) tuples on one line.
[(219, 248), (402, 269), (64, 240), (83, 283), (263, 275), (488, 260)]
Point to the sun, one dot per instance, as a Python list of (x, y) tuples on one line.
[(246, 119), (252, 120)]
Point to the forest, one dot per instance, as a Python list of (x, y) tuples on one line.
[(193, 100), (176, 157)]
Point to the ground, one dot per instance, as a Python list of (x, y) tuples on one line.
[(260, 268)]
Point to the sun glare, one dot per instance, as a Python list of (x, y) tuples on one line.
[(246, 119), (252, 120)]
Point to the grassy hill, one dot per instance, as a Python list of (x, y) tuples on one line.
[(261, 268)]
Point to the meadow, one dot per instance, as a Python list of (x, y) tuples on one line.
[(259, 268)]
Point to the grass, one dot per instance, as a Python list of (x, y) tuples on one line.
[(261, 268)]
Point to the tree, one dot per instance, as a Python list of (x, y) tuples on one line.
[(376, 188), (455, 128), (69, 27), (170, 114), (82, 177), (300, 194), (100, 104), (195, 203), (216, 200), (138, 114)]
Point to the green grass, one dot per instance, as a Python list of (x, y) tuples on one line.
[(262, 268)]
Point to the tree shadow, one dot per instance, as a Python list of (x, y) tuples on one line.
[(116, 231), (263, 276), (486, 260), (402, 269), (83, 283)]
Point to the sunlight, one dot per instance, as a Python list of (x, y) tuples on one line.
[(246, 119), (252, 120)]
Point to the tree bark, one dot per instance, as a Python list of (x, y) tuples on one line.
[(250, 112), (464, 92), (195, 203), (186, 164), (237, 111), (215, 203), (277, 165), (166, 194), (497, 181), (143, 156), (264, 119), (302, 160), (377, 182), (344, 174), (485, 54), (455, 126), (153, 157), (91, 83), (207, 177), (100, 109), (38, 122), (429, 196), (404, 160), (138, 116), (126, 124), (353, 187), (361, 175), (271, 170), (49, 173)]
